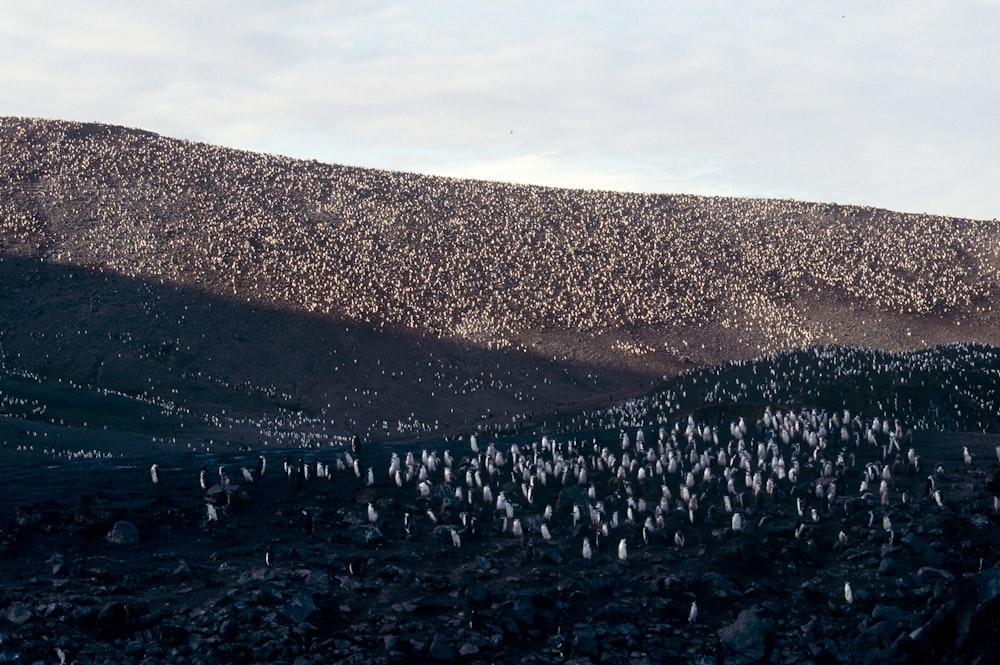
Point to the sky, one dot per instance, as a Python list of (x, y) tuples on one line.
[(891, 104)]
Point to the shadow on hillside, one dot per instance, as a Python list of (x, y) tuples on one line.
[(206, 353)]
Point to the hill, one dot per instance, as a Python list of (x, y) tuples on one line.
[(394, 304)]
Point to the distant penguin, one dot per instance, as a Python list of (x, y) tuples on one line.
[(261, 465), (587, 552), (269, 557), (372, 514), (693, 612), (848, 593), (247, 476), (622, 550), (154, 474), (456, 540), (213, 514), (737, 522), (307, 522)]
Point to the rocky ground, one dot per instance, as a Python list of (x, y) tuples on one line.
[(101, 565)]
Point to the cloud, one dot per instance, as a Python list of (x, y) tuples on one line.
[(886, 104)]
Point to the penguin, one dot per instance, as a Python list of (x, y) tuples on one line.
[(261, 465), (622, 550), (693, 612), (737, 522), (269, 557), (307, 522), (247, 476), (848, 593), (213, 514), (154, 474), (372, 514), (587, 552)]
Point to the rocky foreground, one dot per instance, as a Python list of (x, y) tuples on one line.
[(894, 557)]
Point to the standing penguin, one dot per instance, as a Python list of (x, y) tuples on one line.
[(307, 522)]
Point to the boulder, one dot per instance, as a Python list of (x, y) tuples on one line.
[(747, 636), (123, 533)]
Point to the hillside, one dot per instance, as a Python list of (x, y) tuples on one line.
[(397, 304), (626, 428)]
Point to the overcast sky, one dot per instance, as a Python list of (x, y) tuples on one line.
[(891, 104)]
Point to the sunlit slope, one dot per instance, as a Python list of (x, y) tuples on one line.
[(488, 262)]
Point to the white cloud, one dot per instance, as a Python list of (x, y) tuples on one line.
[(888, 104)]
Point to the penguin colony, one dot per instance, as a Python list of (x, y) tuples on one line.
[(815, 490), (950, 388), (487, 262), (810, 482)]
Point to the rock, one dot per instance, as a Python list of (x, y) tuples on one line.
[(551, 555), (229, 630), (478, 593), (870, 645), (524, 611), (26, 516), (886, 566), (94, 510), (887, 613), (124, 533), (441, 649), (19, 613), (299, 608), (115, 620), (980, 521), (933, 558), (365, 534), (585, 640), (318, 582), (976, 612), (927, 574), (747, 636), (721, 586)]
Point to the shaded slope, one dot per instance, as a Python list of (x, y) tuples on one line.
[(208, 354)]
